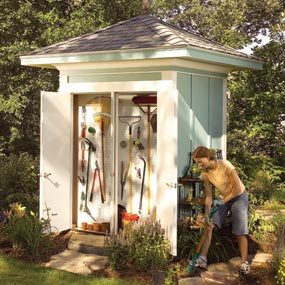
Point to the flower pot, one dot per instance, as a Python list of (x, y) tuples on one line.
[(84, 226), (105, 227), (96, 227), (90, 227)]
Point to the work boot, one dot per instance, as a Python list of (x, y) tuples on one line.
[(244, 268)]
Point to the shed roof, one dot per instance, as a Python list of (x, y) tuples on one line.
[(140, 32)]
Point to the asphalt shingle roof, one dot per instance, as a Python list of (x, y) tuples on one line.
[(140, 32)]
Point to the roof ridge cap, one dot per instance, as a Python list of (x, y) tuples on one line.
[(161, 22)]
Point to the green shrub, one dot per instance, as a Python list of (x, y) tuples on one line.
[(118, 251), (26, 232), (149, 249), (143, 249), (19, 181), (281, 273)]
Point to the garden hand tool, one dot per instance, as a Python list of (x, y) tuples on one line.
[(126, 120), (137, 142), (147, 102), (83, 136), (191, 268), (124, 174), (96, 174), (91, 147), (142, 185)]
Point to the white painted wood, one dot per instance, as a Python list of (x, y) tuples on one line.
[(224, 138), (167, 130), (185, 63), (56, 159), (114, 136)]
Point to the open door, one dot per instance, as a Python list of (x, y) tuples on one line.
[(167, 164), (56, 159)]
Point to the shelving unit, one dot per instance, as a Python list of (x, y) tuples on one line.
[(189, 192)]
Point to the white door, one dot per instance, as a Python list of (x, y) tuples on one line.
[(56, 159), (167, 164)]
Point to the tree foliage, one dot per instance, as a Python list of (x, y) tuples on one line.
[(257, 114), (256, 101), (230, 22)]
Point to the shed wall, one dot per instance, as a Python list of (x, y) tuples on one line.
[(200, 114)]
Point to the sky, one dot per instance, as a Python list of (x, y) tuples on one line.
[(248, 49)]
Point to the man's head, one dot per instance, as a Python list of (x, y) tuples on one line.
[(202, 156)]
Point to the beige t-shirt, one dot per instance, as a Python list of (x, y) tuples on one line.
[(219, 177)]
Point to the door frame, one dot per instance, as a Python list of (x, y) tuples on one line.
[(113, 88)]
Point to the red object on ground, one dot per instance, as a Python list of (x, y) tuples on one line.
[(130, 217)]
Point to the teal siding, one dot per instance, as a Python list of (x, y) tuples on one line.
[(184, 128), (200, 114), (216, 112), (200, 107), (114, 77)]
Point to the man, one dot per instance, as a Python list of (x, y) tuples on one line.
[(222, 175)]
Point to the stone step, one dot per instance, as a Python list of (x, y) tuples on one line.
[(77, 262), (256, 260), (222, 273), (87, 243)]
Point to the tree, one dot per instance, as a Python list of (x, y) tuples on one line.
[(230, 22), (257, 116)]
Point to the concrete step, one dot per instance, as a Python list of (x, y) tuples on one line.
[(77, 262), (87, 243)]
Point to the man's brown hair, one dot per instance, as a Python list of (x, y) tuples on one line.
[(202, 151)]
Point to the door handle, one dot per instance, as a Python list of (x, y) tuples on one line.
[(45, 175)]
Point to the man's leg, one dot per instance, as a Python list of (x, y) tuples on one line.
[(243, 247), (207, 241)]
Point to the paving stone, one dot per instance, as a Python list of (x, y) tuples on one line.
[(224, 273), (77, 262), (87, 243), (256, 260), (196, 281), (262, 257)]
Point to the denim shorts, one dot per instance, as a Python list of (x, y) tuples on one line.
[(239, 208)]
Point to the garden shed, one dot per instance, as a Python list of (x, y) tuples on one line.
[(133, 100)]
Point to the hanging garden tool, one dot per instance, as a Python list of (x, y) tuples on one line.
[(148, 105), (124, 174), (130, 121), (101, 106), (91, 147), (96, 174), (142, 185), (138, 142), (83, 136)]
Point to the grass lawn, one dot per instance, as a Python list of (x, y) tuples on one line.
[(13, 272)]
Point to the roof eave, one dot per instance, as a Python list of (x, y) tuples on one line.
[(193, 53)]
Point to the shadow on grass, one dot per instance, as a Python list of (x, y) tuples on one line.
[(15, 272)]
